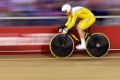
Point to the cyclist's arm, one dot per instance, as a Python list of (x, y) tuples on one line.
[(74, 18), (69, 21)]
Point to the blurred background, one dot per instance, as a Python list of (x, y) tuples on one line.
[(31, 8)]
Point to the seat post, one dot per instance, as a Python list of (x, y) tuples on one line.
[(87, 33)]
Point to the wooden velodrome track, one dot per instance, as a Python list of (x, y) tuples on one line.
[(45, 67)]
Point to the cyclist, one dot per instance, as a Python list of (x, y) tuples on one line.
[(73, 13)]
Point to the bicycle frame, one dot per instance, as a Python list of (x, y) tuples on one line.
[(87, 33)]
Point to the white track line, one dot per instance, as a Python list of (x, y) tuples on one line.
[(115, 49), (53, 17), (46, 50), (25, 51)]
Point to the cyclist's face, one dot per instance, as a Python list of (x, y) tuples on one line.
[(67, 13)]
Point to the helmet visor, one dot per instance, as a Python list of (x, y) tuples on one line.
[(65, 11)]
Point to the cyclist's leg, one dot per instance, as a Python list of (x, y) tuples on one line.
[(86, 23), (81, 34), (82, 26)]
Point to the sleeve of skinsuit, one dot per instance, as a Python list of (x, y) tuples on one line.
[(73, 21), (69, 21)]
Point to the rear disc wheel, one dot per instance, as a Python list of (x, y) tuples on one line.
[(97, 45)]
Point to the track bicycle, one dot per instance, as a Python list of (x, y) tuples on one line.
[(63, 45)]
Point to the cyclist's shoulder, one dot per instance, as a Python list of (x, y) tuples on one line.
[(74, 9)]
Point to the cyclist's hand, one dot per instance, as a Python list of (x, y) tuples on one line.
[(65, 31), (61, 28)]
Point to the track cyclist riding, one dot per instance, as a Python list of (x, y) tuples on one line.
[(62, 45), (74, 13)]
